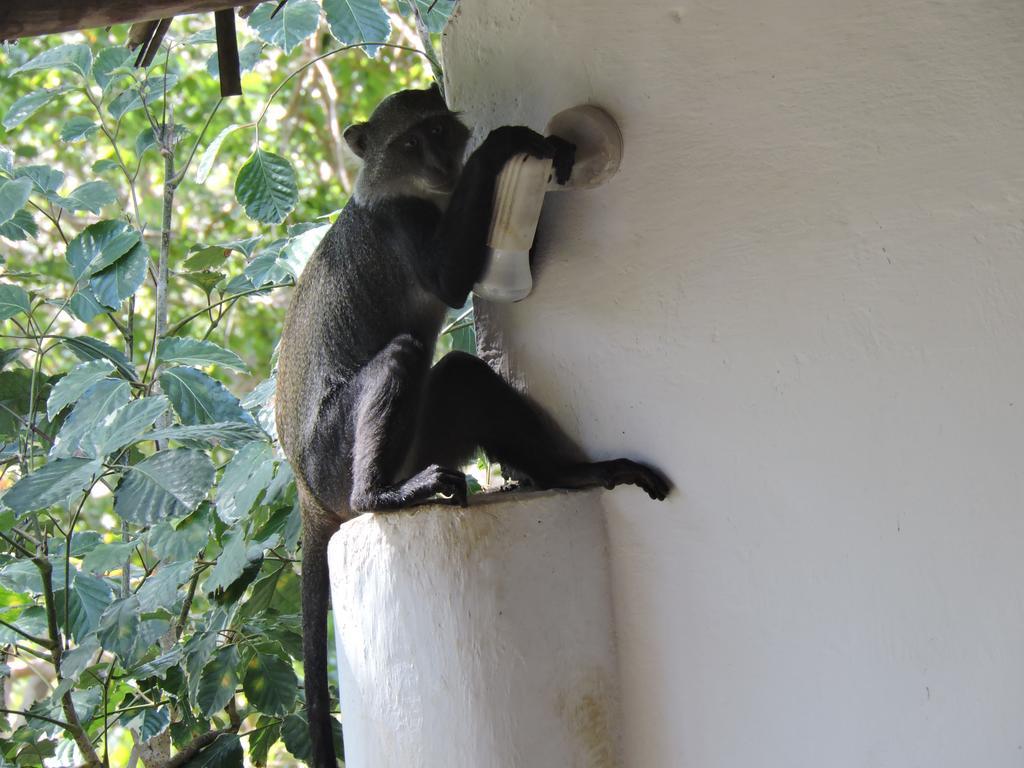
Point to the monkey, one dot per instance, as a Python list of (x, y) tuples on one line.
[(364, 419)]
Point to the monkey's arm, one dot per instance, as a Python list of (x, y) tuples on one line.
[(457, 251)]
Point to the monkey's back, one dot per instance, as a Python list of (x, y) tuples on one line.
[(357, 293)]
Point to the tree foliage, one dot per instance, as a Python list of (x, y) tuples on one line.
[(148, 526)]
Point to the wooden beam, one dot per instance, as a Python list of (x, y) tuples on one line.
[(28, 18), (227, 54)]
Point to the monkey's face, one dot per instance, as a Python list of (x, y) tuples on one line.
[(412, 145), (429, 154)]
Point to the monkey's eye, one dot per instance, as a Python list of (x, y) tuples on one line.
[(411, 143), (437, 130)]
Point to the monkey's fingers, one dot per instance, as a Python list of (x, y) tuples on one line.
[(564, 158), (628, 472), (506, 142), (455, 487), (656, 486)]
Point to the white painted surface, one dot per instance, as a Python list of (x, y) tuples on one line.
[(802, 297), (478, 638)]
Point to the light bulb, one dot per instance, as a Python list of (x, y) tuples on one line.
[(518, 197)]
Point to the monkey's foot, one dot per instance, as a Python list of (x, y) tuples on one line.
[(626, 472), (433, 481)]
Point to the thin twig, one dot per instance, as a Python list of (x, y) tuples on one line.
[(37, 640)]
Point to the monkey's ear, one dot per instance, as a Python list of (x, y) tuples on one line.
[(355, 136)]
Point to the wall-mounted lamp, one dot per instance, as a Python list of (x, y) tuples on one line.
[(519, 196)]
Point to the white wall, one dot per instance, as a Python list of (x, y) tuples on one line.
[(802, 298)]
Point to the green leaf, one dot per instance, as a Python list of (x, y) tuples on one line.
[(266, 185), (75, 661), (218, 681), (90, 596), (45, 179), (22, 576), (230, 434), (108, 556), (206, 280), (78, 433), (186, 351), (100, 245), (160, 591), (208, 35), (248, 57), (128, 423), (132, 97), (13, 299), (78, 128), (262, 739), (109, 60), (295, 732), (210, 154), (123, 278), (91, 196), (434, 12), (75, 58), (21, 227), (166, 484), (84, 306), (73, 385), (15, 394), (224, 752), (82, 544), (158, 667), (205, 256), (290, 25), (149, 633), (198, 650), (246, 476), (230, 563), (51, 484), (244, 246), (234, 591), (14, 194), (119, 625), (299, 248), (153, 722), (267, 267), (106, 164), (270, 684), (88, 348), (9, 355), (199, 399), (358, 21), (184, 541), (267, 588), (147, 138), (6, 160), (22, 109)]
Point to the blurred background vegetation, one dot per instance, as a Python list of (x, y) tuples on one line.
[(148, 528)]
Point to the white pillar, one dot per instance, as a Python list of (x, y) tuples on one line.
[(478, 638)]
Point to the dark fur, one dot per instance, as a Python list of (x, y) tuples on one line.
[(365, 420)]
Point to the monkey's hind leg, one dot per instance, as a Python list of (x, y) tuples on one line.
[(467, 405), (388, 394)]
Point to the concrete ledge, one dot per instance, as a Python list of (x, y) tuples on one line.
[(479, 638)]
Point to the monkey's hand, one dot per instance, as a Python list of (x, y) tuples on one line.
[(430, 482), (502, 144), (563, 159)]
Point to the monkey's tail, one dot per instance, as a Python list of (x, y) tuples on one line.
[(315, 593)]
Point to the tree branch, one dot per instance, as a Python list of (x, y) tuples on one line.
[(73, 724)]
